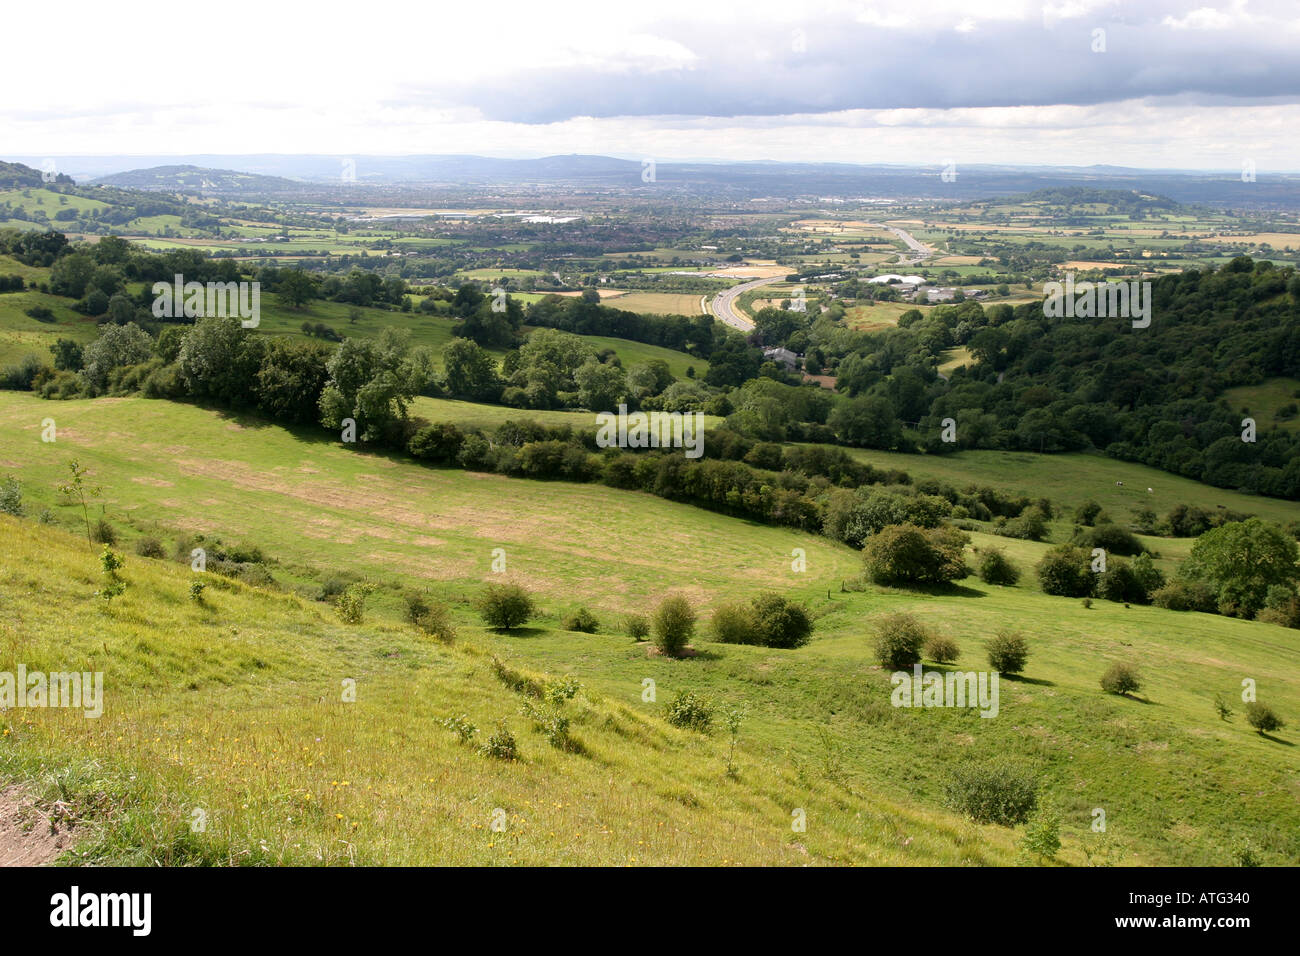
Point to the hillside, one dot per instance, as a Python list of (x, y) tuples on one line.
[(218, 706), (197, 179)]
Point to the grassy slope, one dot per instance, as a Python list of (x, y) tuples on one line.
[(1069, 479), (1178, 785)]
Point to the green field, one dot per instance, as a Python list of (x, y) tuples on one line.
[(234, 706)]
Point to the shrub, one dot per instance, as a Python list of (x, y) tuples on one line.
[(690, 710), (582, 621), (732, 623), (501, 744), (1122, 679), (996, 568), (351, 604), (105, 533), (905, 554), (150, 547), (780, 622), (11, 497), (504, 606), (942, 650), (637, 626), (1112, 539), (1087, 512), (1031, 525), (674, 624), (1262, 718), (1186, 596), (1043, 835), (996, 792), (1119, 583), (899, 639), (330, 588), (1008, 652), (460, 725), (196, 591), (1221, 707), (432, 617), (1066, 571)]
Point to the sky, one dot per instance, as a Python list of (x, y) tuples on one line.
[(1188, 84)]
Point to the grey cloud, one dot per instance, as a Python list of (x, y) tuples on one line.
[(755, 70)]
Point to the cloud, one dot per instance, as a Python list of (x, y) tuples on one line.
[(844, 60)]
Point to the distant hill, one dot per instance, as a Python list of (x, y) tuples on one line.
[(18, 176), (198, 179)]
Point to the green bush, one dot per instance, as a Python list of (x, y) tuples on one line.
[(996, 568), (504, 606), (733, 623), (105, 533), (1066, 571), (905, 554), (1121, 678), (1112, 539), (1262, 718), (582, 621), (1186, 596), (674, 624), (780, 622), (942, 650), (351, 605), (690, 710), (899, 639), (11, 497), (997, 792), (150, 547), (1008, 652), (637, 626), (501, 744), (1119, 583)]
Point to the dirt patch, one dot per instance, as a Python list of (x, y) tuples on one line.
[(28, 835)]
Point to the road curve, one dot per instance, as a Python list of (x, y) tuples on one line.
[(723, 305)]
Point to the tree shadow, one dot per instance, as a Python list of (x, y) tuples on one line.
[(1022, 679), (1277, 740)]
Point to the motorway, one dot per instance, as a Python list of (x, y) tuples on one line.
[(723, 305)]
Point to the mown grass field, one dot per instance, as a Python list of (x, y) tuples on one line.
[(234, 706)]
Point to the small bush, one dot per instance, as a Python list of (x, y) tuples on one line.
[(11, 497), (908, 555), (1262, 718), (674, 625), (1043, 835), (1221, 707), (196, 591), (1186, 596), (1066, 571), (330, 588), (942, 650), (899, 639), (105, 533), (504, 606), (1008, 652), (150, 547), (460, 725), (780, 622), (996, 568), (637, 627), (1121, 678), (732, 623), (351, 605), (690, 710), (501, 744), (582, 621), (434, 619), (997, 792)]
